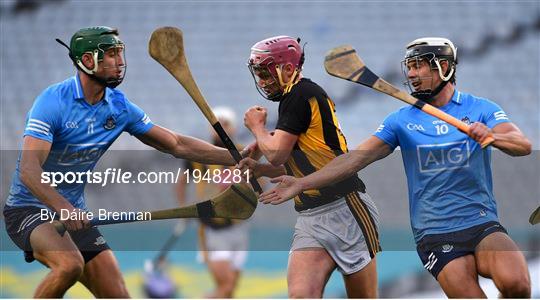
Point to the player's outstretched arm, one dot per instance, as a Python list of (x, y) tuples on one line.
[(186, 147), (508, 138), (338, 169), (260, 169)]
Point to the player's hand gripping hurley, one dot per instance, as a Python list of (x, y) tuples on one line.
[(344, 63), (166, 46)]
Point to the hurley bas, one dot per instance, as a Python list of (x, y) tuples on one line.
[(102, 214)]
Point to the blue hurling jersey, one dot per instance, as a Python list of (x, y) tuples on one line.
[(79, 133), (448, 173)]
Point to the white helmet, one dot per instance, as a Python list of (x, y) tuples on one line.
[(434, 50)]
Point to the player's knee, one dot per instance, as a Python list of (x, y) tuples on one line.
[(299, 294), (516, 287), (304, 292), (225, 285), (228, 289), (70, 268), (113, 287), (116, 289)]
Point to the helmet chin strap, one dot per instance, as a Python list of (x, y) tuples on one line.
[(85, 69), (286, 86), (428, 95), (106, 82), (447, 77)]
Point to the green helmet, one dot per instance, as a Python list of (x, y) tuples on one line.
[(95, 40)]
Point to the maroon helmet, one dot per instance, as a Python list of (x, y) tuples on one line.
[(265, 62)]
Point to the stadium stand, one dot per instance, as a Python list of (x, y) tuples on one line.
[(498, 46)]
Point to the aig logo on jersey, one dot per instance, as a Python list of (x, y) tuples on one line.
[(439, 157), (81, 154), (415, 127)]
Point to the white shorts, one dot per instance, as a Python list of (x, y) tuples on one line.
[(236, 258), (226, 244), (346, 228)]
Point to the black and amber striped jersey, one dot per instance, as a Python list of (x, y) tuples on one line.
[(308, 112)]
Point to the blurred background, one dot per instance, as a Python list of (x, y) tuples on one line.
[(499, 58)]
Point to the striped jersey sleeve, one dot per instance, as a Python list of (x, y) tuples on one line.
[(493, 114), (44, 118), (139, 123), (386, 131)]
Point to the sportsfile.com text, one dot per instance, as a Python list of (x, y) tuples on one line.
[(116, 176)]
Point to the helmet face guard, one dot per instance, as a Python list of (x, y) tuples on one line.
[(266, 79), (431, 51), (114, 65), (266, 61), (417, 62)]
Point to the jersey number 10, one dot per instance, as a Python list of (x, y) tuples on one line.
[(441, 129)]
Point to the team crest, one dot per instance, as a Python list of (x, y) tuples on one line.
[(110, 123), (447, 248), (100, 241), (466, 120)]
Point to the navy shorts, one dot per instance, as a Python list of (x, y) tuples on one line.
[(21, 221), (437, 250)]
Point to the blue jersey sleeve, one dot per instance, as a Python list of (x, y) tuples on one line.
[(44, 118), (138, 123), (387, 132), (493, 114)]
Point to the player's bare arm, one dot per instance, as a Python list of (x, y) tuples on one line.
[(338, 169), (508, 138), (275, 147), (261, 169), (35, 152), (252, 151), (190, 148)]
